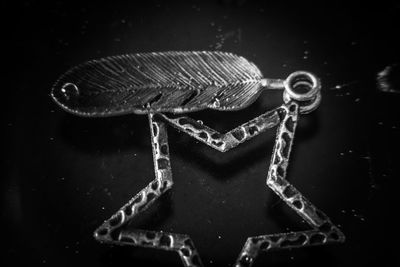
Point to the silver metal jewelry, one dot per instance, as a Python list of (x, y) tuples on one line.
[(165, 86)]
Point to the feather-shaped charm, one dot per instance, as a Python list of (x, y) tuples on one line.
[(159, 82), (179, 82)]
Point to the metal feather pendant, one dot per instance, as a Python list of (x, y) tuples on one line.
[(160, 82), (178, 82)]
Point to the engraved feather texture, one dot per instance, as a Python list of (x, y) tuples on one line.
[(175, 82)]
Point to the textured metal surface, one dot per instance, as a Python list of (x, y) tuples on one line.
[(64, 174), (224, 142), (110, 232), (160, 82), (179, 82), (323, 230)]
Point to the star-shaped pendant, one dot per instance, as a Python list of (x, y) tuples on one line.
[(285, 117)]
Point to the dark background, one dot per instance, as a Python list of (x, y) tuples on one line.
[(64, 175)]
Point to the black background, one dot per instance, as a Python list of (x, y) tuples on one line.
[(64, 174)]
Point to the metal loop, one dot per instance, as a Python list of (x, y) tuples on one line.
[(304, 107), (308, 100), (302, 78)]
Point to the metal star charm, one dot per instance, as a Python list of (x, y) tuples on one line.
[(163, 85)]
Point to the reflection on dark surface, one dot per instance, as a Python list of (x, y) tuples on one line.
[(66, 174), (388, 79)]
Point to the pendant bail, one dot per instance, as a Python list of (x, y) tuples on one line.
[(303, 87)]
